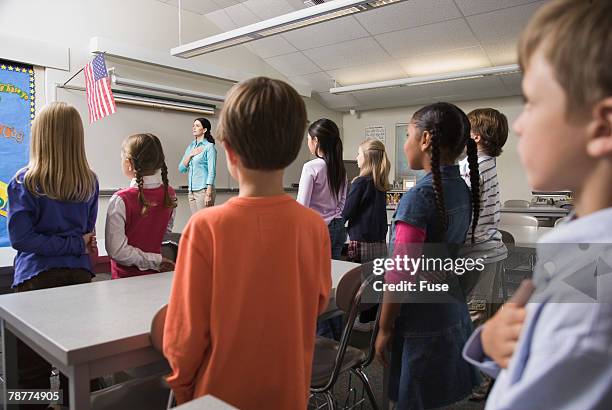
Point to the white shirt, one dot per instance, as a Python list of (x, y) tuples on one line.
[(117, 242)]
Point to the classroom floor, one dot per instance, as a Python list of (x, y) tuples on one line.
[(375, 374)]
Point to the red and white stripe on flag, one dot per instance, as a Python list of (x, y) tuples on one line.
[(100, 100)]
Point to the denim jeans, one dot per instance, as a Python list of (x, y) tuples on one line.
[(337, 236)]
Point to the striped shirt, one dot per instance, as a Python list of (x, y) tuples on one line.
[(487, 238)]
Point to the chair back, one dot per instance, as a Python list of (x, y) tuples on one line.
[(169, 250), (561, 221), (157, 329), (516, 219), (517, 203), (355, 285)]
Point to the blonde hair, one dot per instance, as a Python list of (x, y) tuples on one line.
[(375, 163), (576, 38), (145, 153), (263, 121), (58, 167)]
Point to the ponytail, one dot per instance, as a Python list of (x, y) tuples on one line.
[(327, 133), (206, 125)]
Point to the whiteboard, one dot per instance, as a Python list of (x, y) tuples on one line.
[(103, 142)]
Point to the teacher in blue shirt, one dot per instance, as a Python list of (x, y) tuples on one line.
[(200, 164)]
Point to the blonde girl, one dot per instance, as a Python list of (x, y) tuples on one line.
[(53, 204), (366, 206)]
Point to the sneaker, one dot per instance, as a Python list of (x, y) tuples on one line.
[(363, 327)]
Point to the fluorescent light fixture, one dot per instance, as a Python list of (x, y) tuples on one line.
[(165, 89), (287, 22), (430, 79)]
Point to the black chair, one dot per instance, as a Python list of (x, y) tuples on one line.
[(332, 358), (516, 267)]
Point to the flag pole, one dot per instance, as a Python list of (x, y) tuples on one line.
[(75, 74)]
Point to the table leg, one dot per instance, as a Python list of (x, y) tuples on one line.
[(79, 388), (9, 362)]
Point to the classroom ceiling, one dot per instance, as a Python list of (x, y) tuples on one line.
[(411, 38)]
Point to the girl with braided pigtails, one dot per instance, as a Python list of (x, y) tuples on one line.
[(425, 326), (139, 216)]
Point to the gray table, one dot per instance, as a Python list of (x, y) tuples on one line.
[(538, 211), (207, 402), (91, 330)]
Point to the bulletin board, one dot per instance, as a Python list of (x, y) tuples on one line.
[(16, 114)]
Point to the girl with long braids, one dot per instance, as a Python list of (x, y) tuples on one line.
[(323, 182), (139, 216), (424, 331), (200, 164)]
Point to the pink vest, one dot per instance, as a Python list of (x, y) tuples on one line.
[(143, 232)]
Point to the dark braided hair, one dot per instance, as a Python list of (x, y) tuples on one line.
[(472, 154), (146, 154), (449, 128)]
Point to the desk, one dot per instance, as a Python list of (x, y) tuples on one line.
[(207, 402), (93, 329), (525, 236), (538, 211)]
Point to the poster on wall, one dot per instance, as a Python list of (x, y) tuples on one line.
[(377, 132), (16, 115)]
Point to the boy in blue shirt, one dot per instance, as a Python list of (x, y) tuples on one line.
[(555, 352)]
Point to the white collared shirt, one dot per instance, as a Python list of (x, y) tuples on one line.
[(116, 241)]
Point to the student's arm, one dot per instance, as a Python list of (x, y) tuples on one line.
[(117, 242), (325, 268), (93, 209), (306, 185), (184, 164), (353, 199), (22, 216), (409, 241), (473, 353), (342, 197), (211, 159), (187, 329), (566, 368), (171, 221)]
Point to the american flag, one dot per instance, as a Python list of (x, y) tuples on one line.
[(100, 101)]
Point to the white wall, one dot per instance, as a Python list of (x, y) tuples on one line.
[(512, 177), (144, 23)]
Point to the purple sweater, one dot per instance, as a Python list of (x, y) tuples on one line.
[(314, 191), (47, 233)]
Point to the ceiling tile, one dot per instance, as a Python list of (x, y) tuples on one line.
[(469, 7), (368, 73), (226, 3), (197, 6), (266, 9), (439, 37), (271, 47), (240, 15), (320, 82), (445, 62), (293, 64), (330, 32), (408, 14), (220, 19), (498, 31), (340, 102), (347, 54)]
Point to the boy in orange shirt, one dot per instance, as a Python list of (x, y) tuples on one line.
[(253, 274)]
